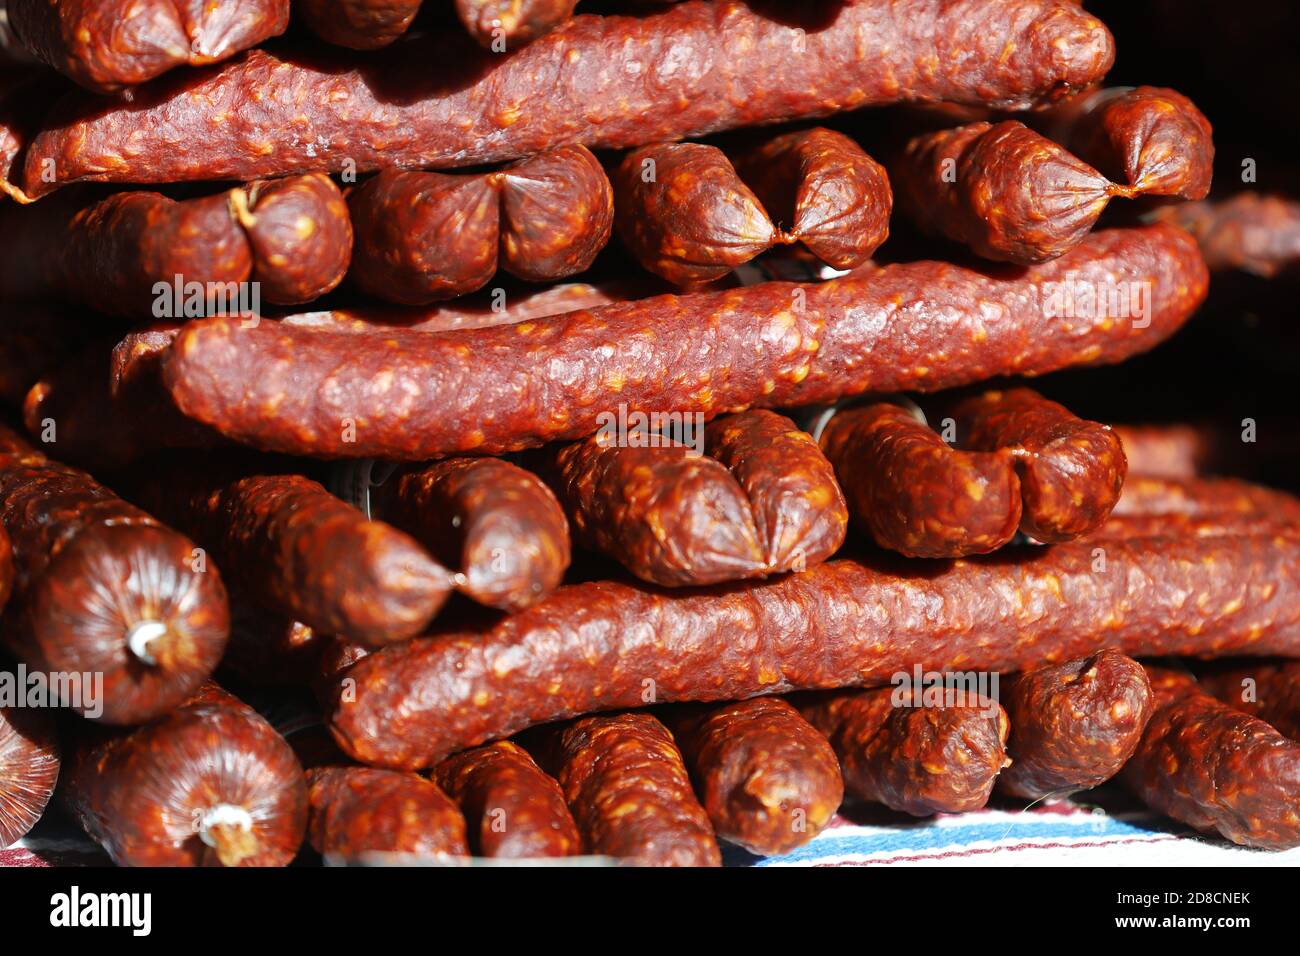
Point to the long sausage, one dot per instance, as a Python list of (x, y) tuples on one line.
[(767, 779), (211, 784), (513, 809), (106, 45), (1270, 692), (594, 646), (1073, 725), (101, 588), (1258, 234), (504, 388), (601, 81), (1144, 495)]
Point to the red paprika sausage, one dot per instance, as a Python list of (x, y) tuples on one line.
[(29, 768), (768, 780), (357, 24), (594, 646), (107, 44), (210, 784), (1270, 692), (360, 810), (502, 25), (1073, 725), (912, 757), (780, 344), (1258, 234), (496, 525), (101, 588), (690, 69), (629, 791), (513, 809)]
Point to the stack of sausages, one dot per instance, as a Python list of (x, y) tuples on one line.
[(452, 389)]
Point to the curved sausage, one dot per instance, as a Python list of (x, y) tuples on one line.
[(1148, 495), (593, 646), (105, 45), (1073, 725), (300, 550), (460, 105), (685, 215), (497, 525), (824, 191), (1150, 138), (135, 254), (514, 810), (429, 236), (360, 810), (781, 344), (767, 779), (101, 588), (915, 494), (357, 24), (1217, 770), (629, 791), (1071, 471), (913, 757), (1009, 193), (29, 769)]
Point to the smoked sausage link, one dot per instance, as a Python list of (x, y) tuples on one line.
[(359, 810), (1073, 725), (591, 647), (461, 105), (211, 784), (29, 769), (513, 809), (103, 588), (414, 396), (357, 24)]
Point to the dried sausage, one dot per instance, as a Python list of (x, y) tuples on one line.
[(513, 809), (685, 215), (630, 793), (1149, 495), (824, 190), (1270, 692), (106, 45), (1009, 193), (912, 756), (103, 588), (1248, 232), (766, 502), (1150, 138), (360, 810), (912, 492), (1073, 725), (29, 769), (512, 23), (439, 101), (430, 236), (592, 646), (123, 253), (780, 344), (26, 96), (494, 523), (1166, 451), (1071, 471), (1217, 769), (767, 779), (357, 24), (210, 784), (298, 549)]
